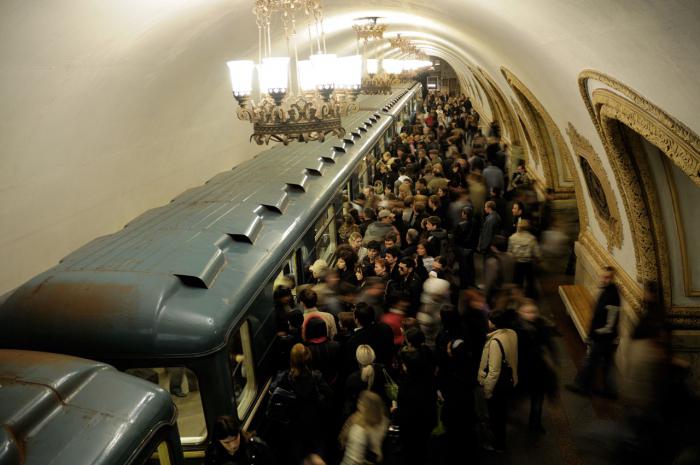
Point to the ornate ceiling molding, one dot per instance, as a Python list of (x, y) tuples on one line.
[(528, 99), (674, 138), (617, 115), (503, 107), (609, 223)]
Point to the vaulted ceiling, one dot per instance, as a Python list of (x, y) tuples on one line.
[(108, 108)]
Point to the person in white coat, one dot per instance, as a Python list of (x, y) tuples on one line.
[(498, 376)]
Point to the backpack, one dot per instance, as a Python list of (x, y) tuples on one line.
[(505, 378), (282, 405)]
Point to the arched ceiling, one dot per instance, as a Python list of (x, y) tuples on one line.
[(109, 107)]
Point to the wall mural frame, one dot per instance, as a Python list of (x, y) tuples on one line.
[(527, 98), (611, 226), (609, 109)]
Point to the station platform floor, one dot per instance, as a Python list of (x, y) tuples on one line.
[(579, 430)]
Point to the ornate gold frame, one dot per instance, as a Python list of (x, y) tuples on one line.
[(612, 228), (527, 98), (609, 109), (680, 232)]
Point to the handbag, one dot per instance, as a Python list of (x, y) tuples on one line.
[(505, 378), (390, 386)]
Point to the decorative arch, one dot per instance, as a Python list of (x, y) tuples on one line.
[(599, 188), (617, 112), (506, 113), (545, 133)]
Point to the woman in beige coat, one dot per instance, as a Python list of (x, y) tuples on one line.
[(496, 376)]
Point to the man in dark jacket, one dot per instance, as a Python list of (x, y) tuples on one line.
[(601, 338), (437, 236), (465, 240), (377, 335), (490, 228)]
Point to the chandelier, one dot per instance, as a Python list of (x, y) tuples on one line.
[(305, 105), (369, 35)]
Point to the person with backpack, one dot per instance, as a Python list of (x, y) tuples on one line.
[(364, 431), (498, 373), (298, 399), (230, 445)]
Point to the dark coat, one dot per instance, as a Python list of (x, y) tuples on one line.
[(378, 336), (609, 296), (489, 230), (252, 451)]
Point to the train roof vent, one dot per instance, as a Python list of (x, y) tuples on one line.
[(298, 185), (328, 158), (362, 129), (348, 140), (197, 264), (338, 149), (356, 133), (275, 200), (240, 223), (313, 171)]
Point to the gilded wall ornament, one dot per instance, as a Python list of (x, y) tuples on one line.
[(599, 188), (617, 117), (539, 117)]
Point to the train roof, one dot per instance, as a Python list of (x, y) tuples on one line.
[(177, 278), (61, 410)]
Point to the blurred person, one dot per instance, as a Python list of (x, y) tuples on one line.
[(230, 445), (490, 227), (465, 240), (436, 293), (368, 331), (308, 299), (524, 248), (416, 407), (300, 428), (536, 359), (498, 373), (369, 377), (363, 434), (602, 337), (325, 354)]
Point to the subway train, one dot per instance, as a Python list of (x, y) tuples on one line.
[(62, 410), (182, 296)]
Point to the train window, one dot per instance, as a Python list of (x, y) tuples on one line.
[(243, 370), (183, 387), (324, 235)]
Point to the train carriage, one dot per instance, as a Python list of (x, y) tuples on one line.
[(61, 410), (182, 296)]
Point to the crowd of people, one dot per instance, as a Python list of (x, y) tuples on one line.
[(425, 319)]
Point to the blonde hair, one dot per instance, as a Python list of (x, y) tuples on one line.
[(299, 360), (365, 357), (370, 414)]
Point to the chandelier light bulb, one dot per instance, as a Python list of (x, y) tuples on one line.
[(274, 75), (372, 66), (241, 73), (349, 72), (305, 75), (324, 68)]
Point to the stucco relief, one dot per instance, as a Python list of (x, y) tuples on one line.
[(605, 209), (611, 112), (528, 99)]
